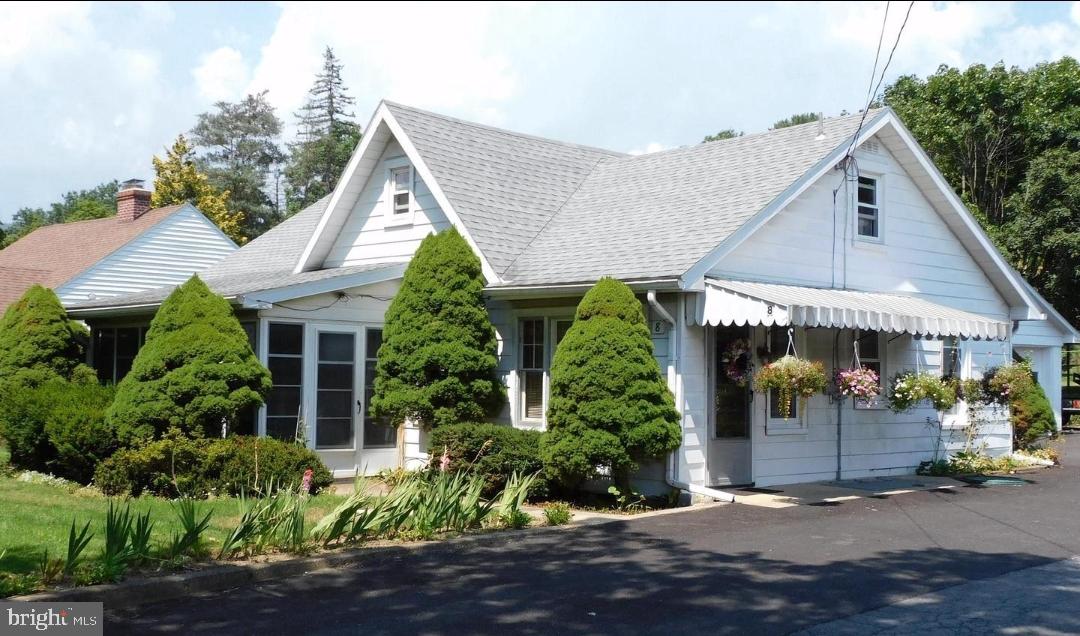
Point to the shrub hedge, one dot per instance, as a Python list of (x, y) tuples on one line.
[(58, 427), (1031, 414), (178, 465), (491, 450)]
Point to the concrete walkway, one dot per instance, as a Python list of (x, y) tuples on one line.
[(833, 492)]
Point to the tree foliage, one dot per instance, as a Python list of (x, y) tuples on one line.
[(1004, 138), (38, 342), (195, 372), (727, 133), (178, 180), (327, 134), (795, 120), (437, 363), (238, 145), (77, 205), (610, 407)]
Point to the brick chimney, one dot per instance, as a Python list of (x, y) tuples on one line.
[(132, 201)]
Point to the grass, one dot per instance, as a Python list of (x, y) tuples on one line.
[(35, 517)]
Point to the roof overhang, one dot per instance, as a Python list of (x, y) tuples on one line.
[(728, 302), (899, 140), (382, 127), (510, 292)]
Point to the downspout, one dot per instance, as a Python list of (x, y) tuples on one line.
[(675, 384)]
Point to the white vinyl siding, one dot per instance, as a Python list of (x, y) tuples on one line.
[(371, 233), (168, 253)]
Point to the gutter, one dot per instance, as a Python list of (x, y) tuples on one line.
[(673, 357), (574, 289)]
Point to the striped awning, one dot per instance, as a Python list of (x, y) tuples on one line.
[(728, 302)]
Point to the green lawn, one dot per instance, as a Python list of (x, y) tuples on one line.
[(35, 517)]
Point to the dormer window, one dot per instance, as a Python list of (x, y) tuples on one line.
[(869, 218), (401, 190)]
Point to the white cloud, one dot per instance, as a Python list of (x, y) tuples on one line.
[(31, 28), (428, 55), (222, 74), (651, 147)]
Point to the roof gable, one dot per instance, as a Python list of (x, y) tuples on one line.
[(54, 254)]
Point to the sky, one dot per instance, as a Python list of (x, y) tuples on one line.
[(90, 92)]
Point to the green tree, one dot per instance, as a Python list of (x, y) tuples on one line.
[(609, 406), (727, 133), (38, 342), (77, 205), (1004, 138), (239, 151), (328, 136), (196, 371), (437, 363), (795, 120), (178, 180)]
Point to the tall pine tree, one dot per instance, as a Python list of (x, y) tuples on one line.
[(327, 137), (239, 150), (179, 181)]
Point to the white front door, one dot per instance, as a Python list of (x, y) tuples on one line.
[(730, 400), (378, 439)]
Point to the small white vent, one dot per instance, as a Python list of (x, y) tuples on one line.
[(871, 147)]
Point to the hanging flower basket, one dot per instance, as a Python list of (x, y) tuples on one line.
[(1001, 383), (736, 362), (911, 387), (860, 383), (791, 377)]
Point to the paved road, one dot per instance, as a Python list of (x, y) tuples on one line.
[(729, 569)]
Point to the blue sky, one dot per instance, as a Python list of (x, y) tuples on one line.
[(89, 92)]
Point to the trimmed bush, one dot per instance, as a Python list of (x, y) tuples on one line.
[(195, 371), (57, 427), (610, 406), (39, 343), (494, 451), (78, 431), (1031, 415), (437, 363), (182, 466)]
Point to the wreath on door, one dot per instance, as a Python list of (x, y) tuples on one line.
[(736, 362)]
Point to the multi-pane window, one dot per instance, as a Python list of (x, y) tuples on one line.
[(869, 219), (247, 421), (401, 190), (532, 369), (378, 431), (115, 349), (334, 390), (285, 359), (951, 357)]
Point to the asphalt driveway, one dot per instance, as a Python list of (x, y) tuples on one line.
[(728, 569)]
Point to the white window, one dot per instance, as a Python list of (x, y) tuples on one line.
[(868, 223), (538, 339), (401, 182), (872, 345)]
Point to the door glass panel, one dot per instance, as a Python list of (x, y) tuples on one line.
[(378, 432), (732, 383), (334, 387)]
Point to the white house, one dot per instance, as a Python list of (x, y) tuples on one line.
[(748, 238), (140, 248)]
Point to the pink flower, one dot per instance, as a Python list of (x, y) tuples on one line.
[(444, 461), (305, 485)]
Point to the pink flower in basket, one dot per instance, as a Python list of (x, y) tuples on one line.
[(861, 383)]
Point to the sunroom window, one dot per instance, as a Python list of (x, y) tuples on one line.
[(285, 359), (869, 219)]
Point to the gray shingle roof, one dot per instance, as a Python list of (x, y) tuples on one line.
[(505, 186), (278, 249), (238, 284), (656, 215)]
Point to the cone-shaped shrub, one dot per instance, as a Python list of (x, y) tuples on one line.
[(437, 363), (609, 405), (195, 370), (1031, 415), (38, 342)]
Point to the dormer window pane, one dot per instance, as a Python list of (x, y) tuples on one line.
[(401, 182)]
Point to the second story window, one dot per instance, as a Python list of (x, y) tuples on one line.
[(401, 190), (869, 218)]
